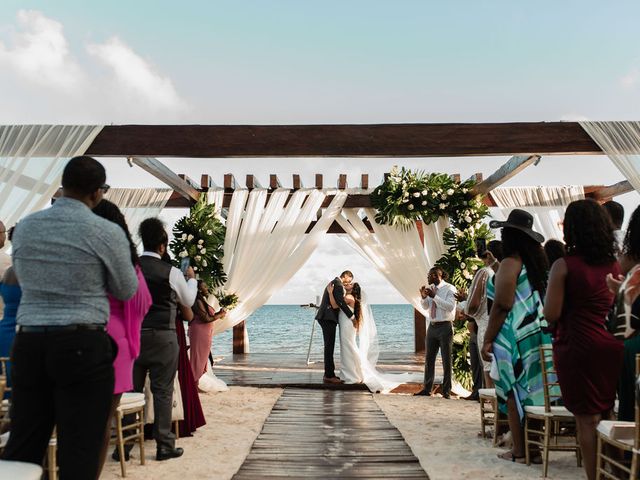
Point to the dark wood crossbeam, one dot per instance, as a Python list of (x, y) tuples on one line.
[(319, 181), (342, 181), (274, 181), (297, 181), (384, 140), (364, 181), (252, 182)]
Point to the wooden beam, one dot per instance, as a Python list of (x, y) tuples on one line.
[(342, 181), (163, 173), (252, 182), (230, 182), (509, 170), (476, 177), (610, 191), (319, 184), (297, 182), (206, 182), (455, 177), (364, 181), (274, 181), (380, 140)]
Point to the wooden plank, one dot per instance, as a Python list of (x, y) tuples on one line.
[(230, 184), (274, 181), (509, 170), (163, 173), (297, 182), (378, 140), (252, 182), (319, 184), (455, 177), (364, 181), (238, 337), (342, 181), (610, 191), (206, 182)]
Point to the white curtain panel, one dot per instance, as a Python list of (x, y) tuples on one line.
[(546, 204), (397, 254), (32, 158), (216, 196), (137, 204), (266, 243), (621, 142)]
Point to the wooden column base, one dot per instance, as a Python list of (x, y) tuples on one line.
[(420, 331), (238, 338)]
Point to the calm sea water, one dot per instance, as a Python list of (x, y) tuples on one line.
[(287, 328)]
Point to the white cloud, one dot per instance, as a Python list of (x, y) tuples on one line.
[(631, 79), (136, 76), (40, 52)]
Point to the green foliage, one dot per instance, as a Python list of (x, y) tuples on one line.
[(407, 196), (200, 236), (228, 301)]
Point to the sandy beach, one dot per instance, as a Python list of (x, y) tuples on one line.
[(216, 451), (443, 434)]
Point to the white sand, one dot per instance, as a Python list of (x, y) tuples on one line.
[(443, 435), (216, 451)]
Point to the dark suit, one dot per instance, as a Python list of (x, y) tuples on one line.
[(328, 319)]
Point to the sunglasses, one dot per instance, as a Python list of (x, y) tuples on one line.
[(104, 187)]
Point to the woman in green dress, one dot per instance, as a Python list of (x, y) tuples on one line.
[(514, 333)]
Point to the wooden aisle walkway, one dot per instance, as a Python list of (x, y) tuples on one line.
[(329, 434)]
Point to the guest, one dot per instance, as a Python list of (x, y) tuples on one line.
[(201, 331), (11, 293), (630, 247), (67, 259), (439, 301), (554, 249), (616, 214), (125, 319), (5, 260), (587, 357), (514, 333), (159, 348), (476, 305)]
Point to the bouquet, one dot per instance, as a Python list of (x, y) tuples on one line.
[(228, 301)]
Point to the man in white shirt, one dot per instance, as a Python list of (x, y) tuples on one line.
[(438, 299)]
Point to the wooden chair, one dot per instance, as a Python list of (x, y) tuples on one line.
[(546, 425), (623, 437), (130, 403), (489, 413)]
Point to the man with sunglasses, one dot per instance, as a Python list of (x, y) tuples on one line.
[(67, 259)]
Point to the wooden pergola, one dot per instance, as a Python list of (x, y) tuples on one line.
[(525, 142)]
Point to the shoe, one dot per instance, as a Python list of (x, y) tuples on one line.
[(332, 380), (446, 395), (422, 393), (116, 455), (472, 397), (168, 453)]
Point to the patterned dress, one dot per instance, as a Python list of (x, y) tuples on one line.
[(516, 347)]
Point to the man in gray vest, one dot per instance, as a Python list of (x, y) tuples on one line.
[(159, 343)]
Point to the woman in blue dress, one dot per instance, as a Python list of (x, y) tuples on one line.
[(11, 294)]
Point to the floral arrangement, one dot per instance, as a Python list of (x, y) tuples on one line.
[(407, 196), (200, 236), (228, 301)]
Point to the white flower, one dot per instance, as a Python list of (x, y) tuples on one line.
[(442, 206), (410, 207), (190, 237), (443, 196), (434, 194), (204, 263), (406, 200), (465, 190), (416, 194), (459, 233), (195, 269), (203, 251), (198, 258), (474, 267), (450, 191), (209, 232), (184, 236), (199, 247), (424, 202), (466, 274), (424, 193), (471, 230), (200, 242), (184, 254), (467, 219), (462, 265)]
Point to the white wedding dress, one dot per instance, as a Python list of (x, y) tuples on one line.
[(358, 358)]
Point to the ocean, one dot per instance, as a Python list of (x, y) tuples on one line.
[(287, 329)]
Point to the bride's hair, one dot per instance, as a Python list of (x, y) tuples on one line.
[(356, 292)]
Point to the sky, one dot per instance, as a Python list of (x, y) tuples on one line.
[(292, 62)]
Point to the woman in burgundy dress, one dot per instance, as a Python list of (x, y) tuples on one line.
[(587, 357)]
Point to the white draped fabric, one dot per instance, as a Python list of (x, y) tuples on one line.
[(546, 204), (32, 158), (621, 142), (266, 243), (396, 253), (138, 204)]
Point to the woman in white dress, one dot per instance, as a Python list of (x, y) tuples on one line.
[(358, 358)]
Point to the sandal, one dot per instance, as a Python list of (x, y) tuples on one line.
[(508, 455)]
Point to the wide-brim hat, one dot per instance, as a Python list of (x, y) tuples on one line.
[(520, 220)]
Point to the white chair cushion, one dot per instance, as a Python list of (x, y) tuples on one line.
[(131, 400), (21, 470), (555, 411), (487, 392), (617, 430)]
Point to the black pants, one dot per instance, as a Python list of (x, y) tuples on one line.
[(63, 379), (439, 336), (158, 356), (329, 336), (476, 364)]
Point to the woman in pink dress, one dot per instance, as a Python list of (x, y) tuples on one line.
[(125, 320), (201, 331)]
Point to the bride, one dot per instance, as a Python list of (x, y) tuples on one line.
[(358, 359)]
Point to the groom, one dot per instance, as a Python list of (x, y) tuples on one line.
[(328, 319)]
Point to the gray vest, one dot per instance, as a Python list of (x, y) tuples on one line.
[(162, 314)]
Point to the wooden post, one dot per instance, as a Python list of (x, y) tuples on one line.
[(238, 337), (419, 320)]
